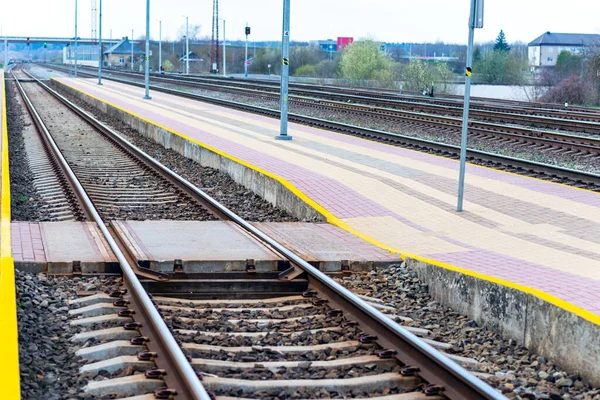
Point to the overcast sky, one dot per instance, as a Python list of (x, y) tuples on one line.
[(386, 20)]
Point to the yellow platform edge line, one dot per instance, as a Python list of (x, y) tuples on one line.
[(332, 219), (9, 338)]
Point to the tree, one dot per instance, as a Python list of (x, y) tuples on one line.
[(501, 45), (363, 60), (568, 64), (476, 55), (306, 70)]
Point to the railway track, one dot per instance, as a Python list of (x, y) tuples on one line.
[(318, 337), (587, 147), (569, 120)]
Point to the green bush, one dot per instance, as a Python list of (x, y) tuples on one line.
[(306, 70)]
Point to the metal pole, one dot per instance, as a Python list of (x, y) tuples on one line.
[(246, 57), (224, 52), (187, 47), (159, 47), (131, 43), (75, 38), (147, 55), (465, 122), (5, 52), (110, 55), (101, 60), (285, 72)]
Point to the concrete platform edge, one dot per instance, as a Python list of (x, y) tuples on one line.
[(558, 334), (548, 314), (266, 185), (9, 338)]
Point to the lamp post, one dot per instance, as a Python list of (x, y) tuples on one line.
[(100, 44), (147, 55), (75, 38), (187, 47), (224, 52), (159, 47), (285, 72), (131, 43), (475, 21)]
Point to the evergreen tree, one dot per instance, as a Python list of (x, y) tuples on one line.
[(501, 45), (476, 55)]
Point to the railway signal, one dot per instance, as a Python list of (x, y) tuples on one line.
[(246, 59), (45, 46), (27, 41)]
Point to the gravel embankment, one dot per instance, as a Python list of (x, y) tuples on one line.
[(49, 368), (213, 182), (26, 203), (517, 372)]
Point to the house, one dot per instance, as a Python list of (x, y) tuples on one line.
[(544, 50), (120, 54)]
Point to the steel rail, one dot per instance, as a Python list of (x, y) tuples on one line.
[(547, 171), (193, 388), (559, 118)]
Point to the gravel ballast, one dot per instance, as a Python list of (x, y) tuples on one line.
[(48, 365), (514, 148), (218, 185), (507, 366), (25, 201)]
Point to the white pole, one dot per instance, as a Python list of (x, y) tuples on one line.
[(100, 50), (131, 43), (187, 47), (474, 21), (75, 38), (246, 57), (285, 73), (5, 52), (147, 54), (224, 52), (110, 55), (159, 46)]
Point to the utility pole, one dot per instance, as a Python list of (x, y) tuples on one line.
[(131, 43), (75, 38), (110, 55), (187, 47), (246, 57), (101, 60), (147, 55), (159, 47), (285, 72), (224, 52), (475, 21)]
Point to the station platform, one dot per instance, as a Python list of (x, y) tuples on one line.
[(527, 234), (202, 246)]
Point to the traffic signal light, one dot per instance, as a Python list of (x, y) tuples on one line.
[(45, 45), (27, 41), (247, 30)]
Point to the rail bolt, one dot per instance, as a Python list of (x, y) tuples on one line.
[(132, 326), (165, 393), (147, 355), (139, 340), (433, 390), (156, 373)]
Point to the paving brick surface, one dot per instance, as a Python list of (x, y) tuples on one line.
[(522, 230)]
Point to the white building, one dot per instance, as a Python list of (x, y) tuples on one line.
[(544, 50)]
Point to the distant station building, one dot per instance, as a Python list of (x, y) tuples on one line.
[(333, 46), (86, 54), (119, 55), (544, 50)]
